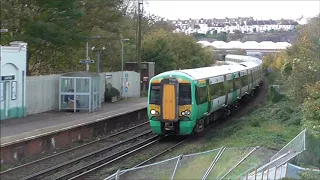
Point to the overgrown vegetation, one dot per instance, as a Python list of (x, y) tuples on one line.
[(298, 71)]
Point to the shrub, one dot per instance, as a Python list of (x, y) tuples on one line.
[(108, 94), (274, 95)]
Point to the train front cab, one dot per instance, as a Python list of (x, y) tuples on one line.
[(170, 107)]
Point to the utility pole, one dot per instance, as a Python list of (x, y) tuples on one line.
[(140, 12), (87, 60), (87, 55), (98, 56)]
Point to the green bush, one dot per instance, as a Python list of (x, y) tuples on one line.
[(312, 175), (274, 95), (108, 94)]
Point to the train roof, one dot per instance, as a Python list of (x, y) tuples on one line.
[(213, 71), (206, 72), (244, 58)]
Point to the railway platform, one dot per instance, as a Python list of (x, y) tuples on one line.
[(18, 132), (16, 129)]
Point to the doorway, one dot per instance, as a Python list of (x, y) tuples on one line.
[(6, 100)]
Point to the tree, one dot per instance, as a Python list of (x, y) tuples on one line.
[(311, 108), (56, 31), (48, 27), (172, 51)]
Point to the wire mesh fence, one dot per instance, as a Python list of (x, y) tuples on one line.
[(223, 163)]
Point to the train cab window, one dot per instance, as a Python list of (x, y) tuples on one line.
[(184, 94), (202, 95), (155, 94)]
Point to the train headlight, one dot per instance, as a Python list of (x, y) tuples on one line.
[(186, 112), (153, 112)]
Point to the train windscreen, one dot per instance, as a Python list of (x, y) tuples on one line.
[(155, 94), (184, 94)]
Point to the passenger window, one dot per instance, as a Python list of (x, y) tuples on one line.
[(217, 90), (237, 83), (229, 86), (202, 95)]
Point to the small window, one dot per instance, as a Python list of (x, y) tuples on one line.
[(217, 90), (229, 86), (244, 80), (184, 94), (237, 83), (155, 94), (202, 95)]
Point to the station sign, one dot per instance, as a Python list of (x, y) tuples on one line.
[(108, 76), (86, 61), (7, 78)]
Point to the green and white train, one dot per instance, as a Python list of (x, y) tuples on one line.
[(181, 102)]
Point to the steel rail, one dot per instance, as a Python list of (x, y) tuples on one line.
[(57, 168), (72, 149)]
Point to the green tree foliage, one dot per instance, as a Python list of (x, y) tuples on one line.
[(311, 108), (174, 51), (310, 175), (299, 66), (57, 31)]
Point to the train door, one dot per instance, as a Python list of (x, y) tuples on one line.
[(226, 89), (202, 98), (209, 95), (238, 88), (229, 88), (251, 79), (169, 99)]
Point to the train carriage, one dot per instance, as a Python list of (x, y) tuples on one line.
[(181, 102)]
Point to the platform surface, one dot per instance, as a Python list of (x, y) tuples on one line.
[(20, 129)]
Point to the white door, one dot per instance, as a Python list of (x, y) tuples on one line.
[(6, 96)]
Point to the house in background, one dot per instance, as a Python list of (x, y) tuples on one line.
[(231, 25)]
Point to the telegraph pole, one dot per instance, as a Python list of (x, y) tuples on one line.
[(140, 12)]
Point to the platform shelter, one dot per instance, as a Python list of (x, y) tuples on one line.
[(79, 91)]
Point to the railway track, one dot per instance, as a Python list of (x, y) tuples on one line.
[(87, 174), (99, 145), (94, 159)]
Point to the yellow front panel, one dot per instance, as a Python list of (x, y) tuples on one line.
[(169, 102)]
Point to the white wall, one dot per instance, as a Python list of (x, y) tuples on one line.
[(133, 78), (42, 92)]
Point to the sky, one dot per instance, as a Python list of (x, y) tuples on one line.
[(272, 9)]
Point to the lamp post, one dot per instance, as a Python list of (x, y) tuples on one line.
[(122, 59), (1, 31), (98, 56), (87, 49)]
